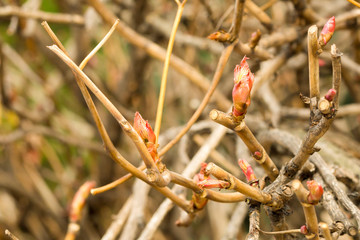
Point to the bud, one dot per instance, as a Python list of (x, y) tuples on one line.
[(243, 82), (198, 201), (327, 31), (330, 94), (213, 183), (304, 230), (79, 199), (315, 191), (220, 36), (247, 170), (144, 129), (254, 39)]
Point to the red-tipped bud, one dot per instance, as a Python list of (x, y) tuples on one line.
[(213, 183), (247, 170), (330, 94), (243, 82), (201, 175), (315, 191), (79, 200), (220, 36), (144, 129), (257, 155), (146, 133), (327, 31), (304, 230)]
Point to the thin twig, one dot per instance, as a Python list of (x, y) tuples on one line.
[(10, 235), (166, 69), (313, 62), (41, 15), (153, 172)]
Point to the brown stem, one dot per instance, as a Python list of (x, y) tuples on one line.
[(41, 15), (249, 139), (237, 185), (254, 222), (309, 209), (238, 15), (313, 62)]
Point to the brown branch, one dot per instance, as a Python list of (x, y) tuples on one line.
[(249, 139), (259, 14), (115, 155), (340, 221), (254, 222), (237, 18), (237, 185), (153, 172), (309, 209), (10, 235), (313, 62), (325, 231), (63, 18)]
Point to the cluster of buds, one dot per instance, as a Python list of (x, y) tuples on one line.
[(199, 202), (315, 191), (146, 133), (79, 200), (243, 82), (327, 32)]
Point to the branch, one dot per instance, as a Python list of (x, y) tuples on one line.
[(249, 139), (64, 18)]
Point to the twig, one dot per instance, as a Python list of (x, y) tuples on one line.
[(309, 209), (325, 231), (237, 185), (189, 171), (259, 14), (237, 18), (290, 231), (336, 65), (313, 62), (254, 223), (153, 172), (10, 235), (293, 144), (119, 220), (249, 139), (340, 221), (41, 15), (166, 68), (354, 3), (115, 155)]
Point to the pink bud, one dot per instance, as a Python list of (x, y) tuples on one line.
[(257, 155), (213, 183), (315, 191), (243, 82), (330, 94), (201, 175), (304, 230), (79, 199), (247, 170), (327, 31), (144, 129)]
